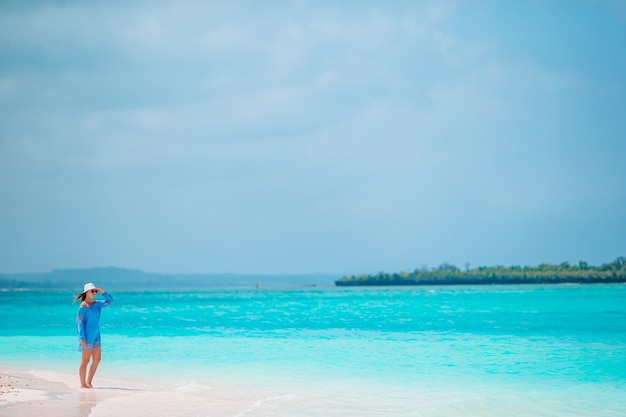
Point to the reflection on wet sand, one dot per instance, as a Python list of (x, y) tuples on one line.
[(88, 399), (91, 397)]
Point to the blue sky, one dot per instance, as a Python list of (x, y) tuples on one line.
[(311, 136)]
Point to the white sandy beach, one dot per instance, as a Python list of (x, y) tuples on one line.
[(27, 393), (23, 394), (38, 392)]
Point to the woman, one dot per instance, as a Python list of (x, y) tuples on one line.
[(88, 328)]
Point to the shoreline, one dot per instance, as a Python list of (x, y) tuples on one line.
[(24, 393), (58, 394)]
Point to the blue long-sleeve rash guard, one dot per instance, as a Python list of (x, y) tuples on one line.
[(88, 319)]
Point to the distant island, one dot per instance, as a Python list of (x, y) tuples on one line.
[(448, 274)]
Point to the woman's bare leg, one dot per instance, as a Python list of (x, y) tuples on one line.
[(82, 370), (95, 360)]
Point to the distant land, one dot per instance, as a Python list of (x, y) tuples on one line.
[(448, 274), (130, 279)]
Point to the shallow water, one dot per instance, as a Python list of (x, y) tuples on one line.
[(427, 351)]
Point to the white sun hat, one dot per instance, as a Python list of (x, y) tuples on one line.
[(88, 286)]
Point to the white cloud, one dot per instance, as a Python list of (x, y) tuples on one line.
[(373, 121)]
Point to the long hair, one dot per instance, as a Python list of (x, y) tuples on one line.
[(80, 297)]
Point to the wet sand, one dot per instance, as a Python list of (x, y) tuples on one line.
[(27, 393), (41, 392)]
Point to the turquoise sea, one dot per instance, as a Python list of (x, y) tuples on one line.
[(527, 350)]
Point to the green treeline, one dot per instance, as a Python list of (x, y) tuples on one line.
[(448, 274)]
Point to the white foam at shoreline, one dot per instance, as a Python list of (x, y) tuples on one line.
[(52, 376), (265, 401)]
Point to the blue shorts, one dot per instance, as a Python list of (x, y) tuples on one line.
[(89, 347)]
